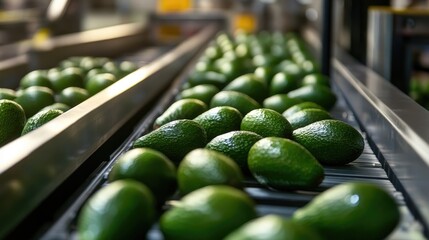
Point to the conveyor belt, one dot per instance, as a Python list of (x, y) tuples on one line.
[(141, 58), (40, 176), (371, 166), (366, 168), (146, 55)]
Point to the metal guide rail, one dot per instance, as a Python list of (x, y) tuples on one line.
[(394, 124), (19, 58), (367, 168), (395, 127), (34, 166)]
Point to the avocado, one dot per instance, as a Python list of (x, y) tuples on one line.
[(280, 102), (283, 164), (39, 119), (219, 120), (124, 209), (319, 94), (307, 116), (267, 123), (209, 77), (203, 167), (275, 228), (250, 85), (300, 106), (174, 139), (332, 142), (203, 92), (238, 100), (181, 109), (351, 211), (283, 83), (236, 145), (12, 120)]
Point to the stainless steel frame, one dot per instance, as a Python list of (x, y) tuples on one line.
[(351, 24), (393, 122), (32, 166), (396, 125), (392, 35), (19, 58), (12, 70), (106, 42)]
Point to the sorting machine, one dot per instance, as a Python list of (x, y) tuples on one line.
[(46, 175)]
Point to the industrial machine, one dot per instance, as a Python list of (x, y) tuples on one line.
[(49, 173), (394, 37)]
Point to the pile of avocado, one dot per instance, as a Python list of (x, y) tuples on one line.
[(43, 95), (255, 106)]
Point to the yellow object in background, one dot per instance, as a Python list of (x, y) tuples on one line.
[(169, 6), (245, 22), (41, 36), (171, 32)]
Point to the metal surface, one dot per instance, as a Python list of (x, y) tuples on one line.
[(32, 166), (12, 70), (60, 13), (379, 50), (19, 58), (327, 9), (106, 42), (15, 24), (393, 35), (351, 24), (395, 125), (14, 63)]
